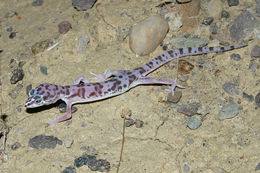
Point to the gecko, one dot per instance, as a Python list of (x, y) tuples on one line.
[(111, 83)]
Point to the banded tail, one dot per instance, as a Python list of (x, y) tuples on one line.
[(177, 53)]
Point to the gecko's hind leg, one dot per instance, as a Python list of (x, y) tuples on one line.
[(81, 79), (166, 81), (107, 74)]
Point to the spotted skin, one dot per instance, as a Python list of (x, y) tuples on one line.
[(111, 83)]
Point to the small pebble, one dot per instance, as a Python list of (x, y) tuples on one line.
[(243, 25), (82, 5), (83, 44), (190, 109), (228, 111), (3, 157), (174, 98), (43, 70), (64, 27), (146, 36), (9, 27), (99, 165), (12, 35), (185, 67), (15, 146), (139, 123), (68, 141), (225, 14), (186, 168), (129, 123), (10, 14), (86, 15), (250, 98), (194, 123), (40, 46), (230, 88), (257, 168), (208, 21), (188, 42), (257, 99), (42, 141), (69, 169), (235, 56), (213, 29), (17, 75), (62, 108), (28, 89), (37, 3), (233, 2), (255, 53), (83, 160)]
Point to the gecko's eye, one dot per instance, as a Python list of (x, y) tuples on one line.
[(38, 101)]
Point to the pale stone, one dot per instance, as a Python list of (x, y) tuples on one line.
[(148, 34)]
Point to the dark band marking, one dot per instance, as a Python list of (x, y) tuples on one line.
[(181, 51), (211, 48), (189, 49)]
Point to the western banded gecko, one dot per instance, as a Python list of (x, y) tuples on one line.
[(111, 83)]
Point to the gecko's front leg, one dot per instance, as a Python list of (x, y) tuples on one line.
[(61, 118)]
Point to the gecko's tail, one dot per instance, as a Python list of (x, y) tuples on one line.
[(204, 50)]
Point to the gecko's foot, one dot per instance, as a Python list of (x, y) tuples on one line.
[(99, 77), (173, 86), (52, 123)]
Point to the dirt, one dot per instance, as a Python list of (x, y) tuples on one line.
[(164, 143)]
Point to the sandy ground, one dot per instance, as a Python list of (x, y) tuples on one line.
[(164, 143)]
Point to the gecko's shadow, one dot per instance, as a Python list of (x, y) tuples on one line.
[(43, 108)]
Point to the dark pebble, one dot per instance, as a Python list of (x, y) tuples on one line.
[(15, 146), (12, 35), (9, 28), (99, 165), (190, 109), (257, 99), (86, 15), (250, 98), (233, 2), (225, 14), (257, 168), (43, 70), (255, 53), (243, 26), (17, 75), (82, 5), (165, 47), (83, 160), (63, 108), (235, 56), (208, 21), (43, 141), (37, 3), (129, 123), (139, 123), (230, 88), (64, 27), (69, 169), (28, 89)]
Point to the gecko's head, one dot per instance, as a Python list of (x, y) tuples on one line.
[(43, 94)]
